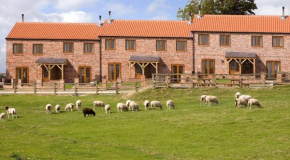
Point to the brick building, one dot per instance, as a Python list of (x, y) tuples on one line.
[(128, 49)]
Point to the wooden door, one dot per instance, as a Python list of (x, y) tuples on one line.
[(177, 70), (234, 67), (208, 67), (273, 67), (114, 71), (85, 74), (22, 73), (45, 76), (138, 71)]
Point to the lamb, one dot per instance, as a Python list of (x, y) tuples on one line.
[(99, 104), (108, 108), (57, 108), (146, 104), (241, 101), (202, 99), (255, 102), (89, 112), (2, 116), (156, 104), (121, 107), (133, 106), (78, 104), (48, 108), (212, 99), (69, 106), (170, 104), (128, 103), (11, 111)]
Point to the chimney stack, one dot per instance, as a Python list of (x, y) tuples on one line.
[(283, 13), (190, 18), (100, 21), (199, 14), (22, 17), (109, 21)]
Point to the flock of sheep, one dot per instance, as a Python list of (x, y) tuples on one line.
[(241, 100)]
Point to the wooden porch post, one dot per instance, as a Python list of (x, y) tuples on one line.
[(62, 71), (156, 68), (240, 66), (48, 72), (129, 69), (254, 66), (143, 69), (36, 71)]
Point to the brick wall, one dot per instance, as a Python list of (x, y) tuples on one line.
[(241, 43), (52, 48)]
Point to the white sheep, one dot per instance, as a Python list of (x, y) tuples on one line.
[(57, 108), (69, 106), (121, 107), (170, 104), (212, 99), (128, 103), (253, 101), (100, 104), (241, 101), (202, 99), (156, 104), (11, 111), (78, 104), (146, 104), (133, 106), (2, 116), (237, 95), (108, 108), (48, 108)]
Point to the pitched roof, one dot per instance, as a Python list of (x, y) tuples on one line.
[(48, 30), (43, 60), (241, 23), (240, 55), (146, 28), (143, 58)]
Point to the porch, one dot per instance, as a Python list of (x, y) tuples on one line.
[(241, 63), (52, 69), (144, 66)]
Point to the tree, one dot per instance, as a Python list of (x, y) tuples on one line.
[(231, 7)]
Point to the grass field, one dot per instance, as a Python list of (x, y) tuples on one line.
[(191, 131)]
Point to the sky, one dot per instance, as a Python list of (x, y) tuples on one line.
[(89, 10)]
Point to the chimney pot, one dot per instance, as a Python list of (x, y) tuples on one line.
[(22, 17), (109, 21), (199, 14), (100, 21), (283, 13)]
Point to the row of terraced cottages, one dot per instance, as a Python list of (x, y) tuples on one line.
[(131, 49)]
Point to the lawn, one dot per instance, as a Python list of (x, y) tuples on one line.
[(191, 131)]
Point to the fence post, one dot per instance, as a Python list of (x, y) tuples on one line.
[(14, 87), (97, 88), (54, 88), (240, 82), (136, 88), (76, 91), (116, 87), (34, 88), (214, 80)]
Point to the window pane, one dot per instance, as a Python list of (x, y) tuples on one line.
[(253, 41), (211, 67), (206, 40), (132, 44), (113, 44), (14, 48), (222, 40), (34, 49), (20, 48), (65, 48), (276, 67), (184, 46), (163, 45), (200, 40), (86, 48), (227, 40), (111, 70), (204, 67), (40, 49), (117, 71), (275, 41), (88, 75), (71, 45), (82, 75), (178, 46), (270, 69), (127, 45), (18, 73), (259, 41), (281, 41), (158, 45), (91, 48)]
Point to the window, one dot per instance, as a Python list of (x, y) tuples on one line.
[(22, 73), (17, 48), (203, 39), (68, 47), (278, 41), (114, 71), (130, 45), (37, 49), (257, 41), (208, 66), (225, 40), (110, 44), (176, 70), (181, 45), (273, 67), (89, 48), (85, 74), (161, 45)]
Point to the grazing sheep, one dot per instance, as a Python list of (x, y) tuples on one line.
[(57, 108), (11, 111), (128, 103), (133, 106), (100, 104), (245, 97), (170, 104), (108, 108), (89, 112), (78, 104), (237, 95), (156, 104), (146, 104), (121, 107), (241, 101), (69, 106), (212, 99), (253, 102), (2, 116), (48, 108), (202, 99)]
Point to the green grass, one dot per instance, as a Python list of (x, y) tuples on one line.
[(191, 131)]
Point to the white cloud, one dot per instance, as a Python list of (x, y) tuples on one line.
[(120, 9), (158, 9), (73, 16), (268, 7), (73, 4)]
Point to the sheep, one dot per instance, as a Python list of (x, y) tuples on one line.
[(202, 99), (2, 116), (241, 101), (99, 104), (128, 103), (48, 108), (212, 99), (170, 104), (108, 108), (156, 104), (57, 108), (78, 104), (237, 95), (255, 102), (245, 97), (133, 106), (146, 104), (11, 111), (89, 112), (121, 107), (69, 106)]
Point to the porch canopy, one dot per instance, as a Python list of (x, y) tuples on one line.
[(143, 61), (49, 64), (241, 58)]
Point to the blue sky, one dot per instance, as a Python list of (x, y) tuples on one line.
[(89, 11)]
